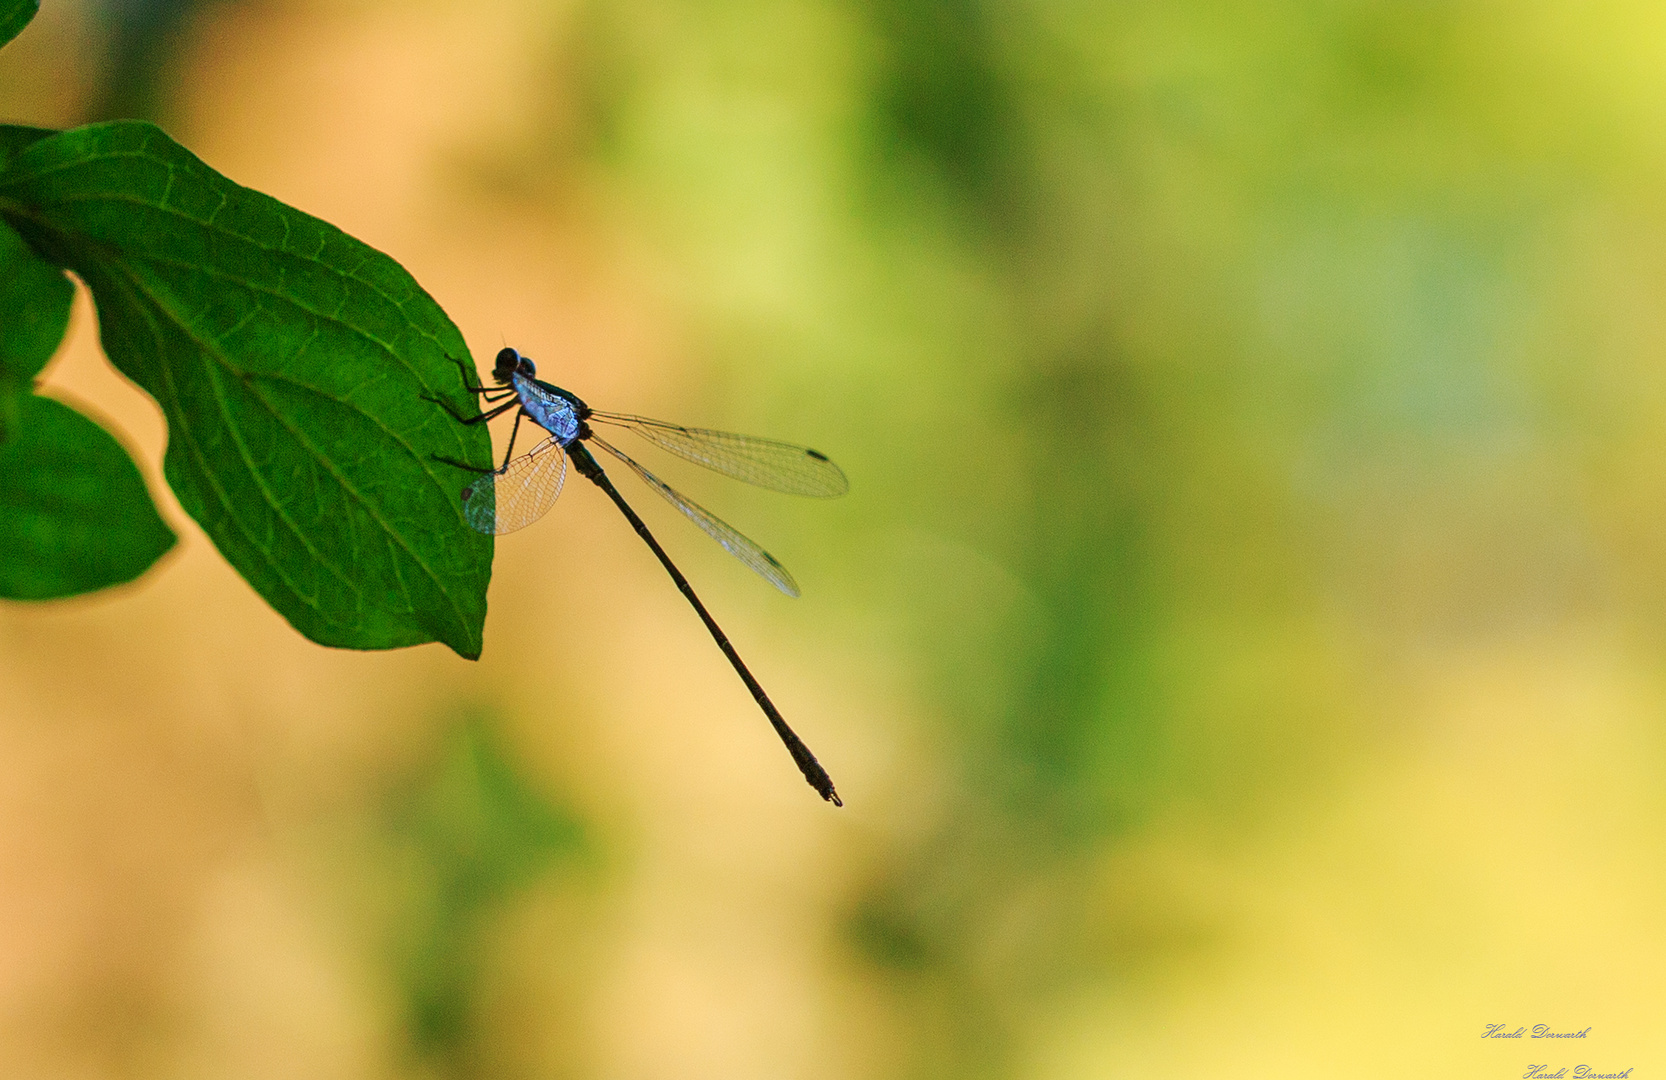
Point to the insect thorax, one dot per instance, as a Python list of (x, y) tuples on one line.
[(554, 414)]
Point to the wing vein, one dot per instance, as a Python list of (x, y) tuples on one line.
[(501, 502), (779, 466), (761, 562)]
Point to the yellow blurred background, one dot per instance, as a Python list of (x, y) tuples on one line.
[(1242, 652)]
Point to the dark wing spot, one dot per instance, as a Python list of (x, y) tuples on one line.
[(817, 454)]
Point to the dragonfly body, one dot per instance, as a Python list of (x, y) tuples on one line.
[(523, 489), (550, 407)]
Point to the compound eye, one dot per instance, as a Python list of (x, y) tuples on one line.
[(507, 360), (528, 366)]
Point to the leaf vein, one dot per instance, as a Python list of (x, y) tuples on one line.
[(197, 451), (314, 259)]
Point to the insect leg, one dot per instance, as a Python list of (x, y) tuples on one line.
[(490, 414), (477, 388), (509, 453)]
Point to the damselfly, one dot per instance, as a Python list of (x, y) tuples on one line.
[(523, 489)]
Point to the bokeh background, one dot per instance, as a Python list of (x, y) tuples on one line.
[(1242, 651)]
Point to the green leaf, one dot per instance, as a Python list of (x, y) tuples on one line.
[(14, 16), (291, 362), (34, 313), (74, 514), (16, 138)]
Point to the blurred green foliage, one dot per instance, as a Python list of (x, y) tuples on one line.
[(1176, 351), (471, 834), (1195, 364), (143, 36)]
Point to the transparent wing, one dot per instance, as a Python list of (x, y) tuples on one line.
[(521, 494), (733, 542), (779, 466)]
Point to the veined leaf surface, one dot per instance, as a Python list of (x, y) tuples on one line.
[(74, 513), (291, 362), (34, 312)]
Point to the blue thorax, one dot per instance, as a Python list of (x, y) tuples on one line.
[(552, 409)]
